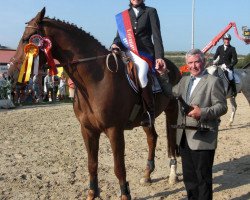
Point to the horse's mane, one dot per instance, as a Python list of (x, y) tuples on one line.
[(74, 28)]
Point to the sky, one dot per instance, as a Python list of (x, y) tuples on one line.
[(98, 18)]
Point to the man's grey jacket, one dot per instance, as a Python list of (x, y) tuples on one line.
[(210, 96)]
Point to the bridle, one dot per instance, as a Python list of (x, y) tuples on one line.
[(13, 60), (34, 27), (37, 27)]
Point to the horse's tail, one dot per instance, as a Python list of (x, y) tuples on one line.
[(174, 72)]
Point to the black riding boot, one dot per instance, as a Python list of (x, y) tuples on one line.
[(233, 86), (148, 99)]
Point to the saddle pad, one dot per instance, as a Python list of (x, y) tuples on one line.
[(156, 88)]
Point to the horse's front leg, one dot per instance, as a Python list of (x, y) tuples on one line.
[(151, 140), (91, 140), (234, 107), (116, 137)]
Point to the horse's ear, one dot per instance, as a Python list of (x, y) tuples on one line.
[(43, 11), (40, 15)]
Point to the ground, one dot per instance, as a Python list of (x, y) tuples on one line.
[(43, 157)]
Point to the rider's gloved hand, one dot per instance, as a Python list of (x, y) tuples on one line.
[(224, 67)]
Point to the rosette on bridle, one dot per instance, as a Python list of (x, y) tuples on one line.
[(31, 51), (38, 41), (47, 45)]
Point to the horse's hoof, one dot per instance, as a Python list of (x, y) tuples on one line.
[(91, 195), (126, 197), (173, 180), (145, 181)]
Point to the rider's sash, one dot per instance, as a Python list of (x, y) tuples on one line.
[(127, 37)]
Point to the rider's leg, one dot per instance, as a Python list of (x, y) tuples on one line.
[(233, 86), (226, 73), (147, 93)]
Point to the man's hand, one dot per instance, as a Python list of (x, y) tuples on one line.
[(160, 66), (195, 113), (115, 48)]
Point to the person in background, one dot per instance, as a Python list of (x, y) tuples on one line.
[(227, 59), (19, 93), (55, 84), (206, 98), (144, 52), (29, 92), (36, 88), (71, 89), (62, 87), (48, 86)]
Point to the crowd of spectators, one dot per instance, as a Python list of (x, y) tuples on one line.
[(51, 88)]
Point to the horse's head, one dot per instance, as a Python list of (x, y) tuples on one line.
[(32, 27)]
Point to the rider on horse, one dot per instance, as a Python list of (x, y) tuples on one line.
[(138, 45), (227, 60)]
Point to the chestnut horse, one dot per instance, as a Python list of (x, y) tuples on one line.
[(103, 100)]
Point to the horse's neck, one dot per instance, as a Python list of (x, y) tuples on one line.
[(71, 44)]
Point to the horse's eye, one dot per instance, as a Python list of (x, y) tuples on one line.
[(25, 40)]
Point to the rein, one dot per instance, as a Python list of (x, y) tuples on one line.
[(85, 59), (94, 58)]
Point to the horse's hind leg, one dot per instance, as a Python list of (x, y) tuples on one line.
[(116, 137), (91, 140), (152, 140), (171, 119)]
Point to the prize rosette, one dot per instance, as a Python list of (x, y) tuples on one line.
[(36, 40), (47, 45), (31, 51)]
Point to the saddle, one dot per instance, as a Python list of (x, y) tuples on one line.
[(133, 80), (132, 76)]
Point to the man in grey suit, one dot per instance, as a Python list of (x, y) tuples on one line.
[(207, 99)]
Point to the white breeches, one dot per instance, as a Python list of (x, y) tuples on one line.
[(141, 67)]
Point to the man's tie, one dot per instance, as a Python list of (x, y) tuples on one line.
[(190, 84)]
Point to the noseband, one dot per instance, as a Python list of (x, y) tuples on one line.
[(34, 27)]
